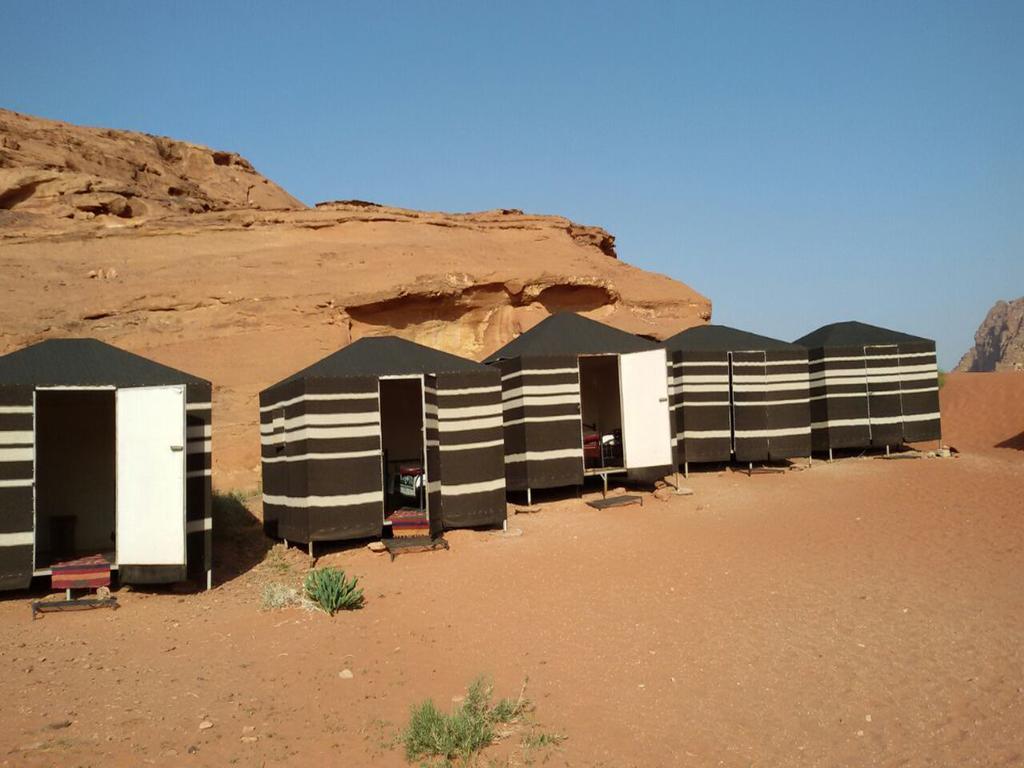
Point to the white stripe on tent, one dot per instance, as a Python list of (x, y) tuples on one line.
[(24, 538), (539, 419), (693, 364), (858, 358), (714, 404), (5, 409), (467, 488), (323, 420), (196, 526), (541, 389), (471, 446), (199, 473), (321, 433), (334, 396), (922, 416), (705, 388), (772, 378), (465, 391), (16, 454), (304, 502), (539, 371), (876, 420), (560, 453), (470, 424), (768, 403), (759, 363), (796, 385), (839, 423), (467, 412), (703, 378), (694, 434), (773, 432), (17, 438), (322, 456), (203, 447), (198, 406), (537, 401), (16, 483), (201, 431)]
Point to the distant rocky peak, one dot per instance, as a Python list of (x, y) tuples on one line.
[(999, 342)]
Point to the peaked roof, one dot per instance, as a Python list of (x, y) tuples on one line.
[(86, 362), (570, 334), (852, 333), (713, 338), (384, 356)]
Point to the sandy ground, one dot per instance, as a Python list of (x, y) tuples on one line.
[(865, 612)]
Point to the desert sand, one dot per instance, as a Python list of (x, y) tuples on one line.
[(864, 612)]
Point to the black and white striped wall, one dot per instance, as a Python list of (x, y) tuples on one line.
[(321, 455), (542, 431), (700, 406), (876, 395), (465, 448), (748, 405), (199, 480), (17, 507)]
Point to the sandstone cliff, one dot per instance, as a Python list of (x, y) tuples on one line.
[(999, 342), (243, 295)]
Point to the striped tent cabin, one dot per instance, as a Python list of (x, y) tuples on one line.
[(580, 397), (871, 387), (737, 395), (345, 438), (103, 452)]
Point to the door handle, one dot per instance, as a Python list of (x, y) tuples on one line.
[(177, 448)]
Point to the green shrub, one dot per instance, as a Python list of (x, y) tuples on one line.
[(464, 732), (330, 589)]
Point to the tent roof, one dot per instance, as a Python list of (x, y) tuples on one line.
[(570, 334), (713, 338), (384, 356), (86, 362), (853, 334)]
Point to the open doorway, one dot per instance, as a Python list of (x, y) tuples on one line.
[(76, 476), (601, 412), (403, 456)]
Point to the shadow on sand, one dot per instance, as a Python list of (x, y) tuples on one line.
[(1016, 442)]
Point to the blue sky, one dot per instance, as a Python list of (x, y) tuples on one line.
[(798, 163)]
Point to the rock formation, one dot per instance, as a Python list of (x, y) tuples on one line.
[(60, 171), (999, 342), (244, 287)]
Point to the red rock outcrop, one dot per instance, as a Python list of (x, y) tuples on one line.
[(217, 283)]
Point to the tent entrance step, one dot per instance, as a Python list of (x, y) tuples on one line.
[(400, 546), (616, 501), (408, 523)]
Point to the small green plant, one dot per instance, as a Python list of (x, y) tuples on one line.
[(542, 740), (467, 730), (330, 589), (276, 595), (942, 379)]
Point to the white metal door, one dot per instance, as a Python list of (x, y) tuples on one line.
[(646, 433), (151, 476)]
